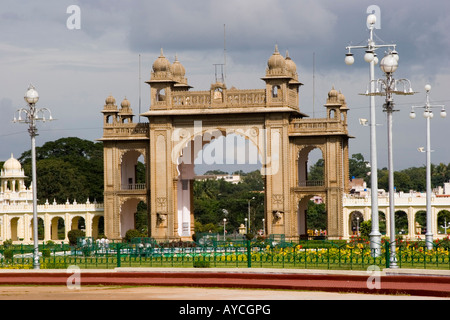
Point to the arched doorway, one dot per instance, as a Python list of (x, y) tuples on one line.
[(41, 229), (401, 223), (131, 212), (98, 227), (220, 154), (14, 229), (443, 222), (355, 220), (132, 171), (420, 222), (311, 167), (57, 229), (312, 217), (78, 223)]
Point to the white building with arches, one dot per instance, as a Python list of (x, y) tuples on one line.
[(16, 211), (410, 211)]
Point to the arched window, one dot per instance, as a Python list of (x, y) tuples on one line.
[(332, 113), (276, 91), (161, 95)]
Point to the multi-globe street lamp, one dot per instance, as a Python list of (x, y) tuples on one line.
[(428, 114), (30, 116), (387, 87), (371, 57)]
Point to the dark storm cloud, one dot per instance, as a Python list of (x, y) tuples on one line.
[(76, 70)]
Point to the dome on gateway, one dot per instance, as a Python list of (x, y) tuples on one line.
[(162, 64), (276, 61)]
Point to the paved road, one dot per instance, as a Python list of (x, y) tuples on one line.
[(175, 293)]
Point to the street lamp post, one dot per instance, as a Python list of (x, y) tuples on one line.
[(246, 225), (428, 114), (224, 228), (253, 198), (372, 59), (388, 87), (31, 116)]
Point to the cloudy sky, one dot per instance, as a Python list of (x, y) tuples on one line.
[(74, 70)]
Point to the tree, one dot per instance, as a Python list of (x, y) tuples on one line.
[(59, 180), (316, 171), (365, 228), (218, 199), (358, 167), (254, 180), (316, 215), (83, 160)]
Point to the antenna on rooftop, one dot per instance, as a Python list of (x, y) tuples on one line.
[(218, 71), (139, 88), (224, 52), (220, 68), (314, 82)]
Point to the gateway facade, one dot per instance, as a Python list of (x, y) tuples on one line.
[(182, 121)]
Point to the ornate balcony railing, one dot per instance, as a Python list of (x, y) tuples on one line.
[(311, 183)]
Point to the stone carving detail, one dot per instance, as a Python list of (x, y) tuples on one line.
[(161, 204)]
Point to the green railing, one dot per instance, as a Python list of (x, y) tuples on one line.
[(231, 254)]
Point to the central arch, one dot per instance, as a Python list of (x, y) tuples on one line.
[(209, 147)]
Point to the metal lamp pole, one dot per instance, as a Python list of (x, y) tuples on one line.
[(253, 198), (371, 58), (388, 87), (31, 116), (224, 228), (428, 114)]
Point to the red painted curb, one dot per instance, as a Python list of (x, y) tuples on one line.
[(438, 286)]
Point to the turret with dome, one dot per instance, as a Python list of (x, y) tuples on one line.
[(282, 80), (12, 178)]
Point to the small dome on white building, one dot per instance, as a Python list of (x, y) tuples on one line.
[(12, 169)]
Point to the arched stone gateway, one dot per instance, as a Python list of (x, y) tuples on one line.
[(180, 121)]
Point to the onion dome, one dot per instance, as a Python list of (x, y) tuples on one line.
[(341, 99), (290, 64), (333, 97), (12, 165), (125, 103), (162, 64), (178, 69), (333, 94), (276, 61), (110, 100)]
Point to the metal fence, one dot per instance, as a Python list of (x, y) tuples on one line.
[(356, 255)]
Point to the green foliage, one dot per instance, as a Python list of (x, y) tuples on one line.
[(316, 171), (358, 167), (7, 243), (365, 228), (8, 254), (218, 199), (201, 264), (141, 218), (133, 233), (73, 235), (317, 216), (68, 168), (46, 252)]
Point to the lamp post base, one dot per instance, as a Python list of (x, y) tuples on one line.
[(375, 244)]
